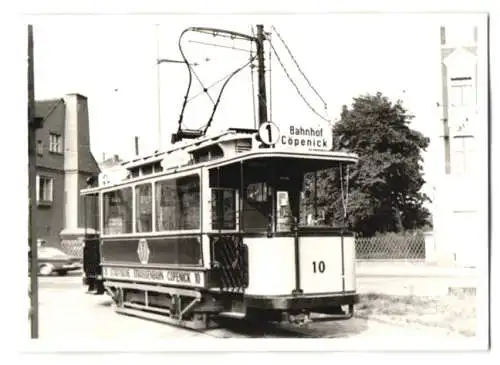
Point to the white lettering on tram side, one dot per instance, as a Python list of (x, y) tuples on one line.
[(169, 276), (148, 274), (179, 277)]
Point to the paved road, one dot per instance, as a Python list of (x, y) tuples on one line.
[(67, 312)]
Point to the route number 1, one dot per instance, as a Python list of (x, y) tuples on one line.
[(269, 133), (319, 267)]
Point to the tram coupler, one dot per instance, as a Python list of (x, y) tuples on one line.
[(297, 319)]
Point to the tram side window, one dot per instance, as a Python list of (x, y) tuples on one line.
[(117, 211), (178, 204), (223, 209), (91, 205), (143, 208), (322, 198)]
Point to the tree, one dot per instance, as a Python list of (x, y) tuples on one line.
[(385, 185)]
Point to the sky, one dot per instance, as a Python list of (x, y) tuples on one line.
[(112, 61)]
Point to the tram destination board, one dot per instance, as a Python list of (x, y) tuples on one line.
[(296, 136), (160, 276)]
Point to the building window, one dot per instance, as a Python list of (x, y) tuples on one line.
[(458, 35), (44, 189), (463, 161), (39, 148), (55, 143), (461, 92)]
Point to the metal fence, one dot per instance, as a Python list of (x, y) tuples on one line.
[(73, 248), (391, 247)]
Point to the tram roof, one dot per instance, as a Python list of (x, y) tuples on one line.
[(228, 142), (190, 146)]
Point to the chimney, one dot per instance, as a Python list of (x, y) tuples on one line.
[(76, 157), (136, 146)]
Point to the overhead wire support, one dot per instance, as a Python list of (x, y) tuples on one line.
[(205, 89), (232, 35), (222, 89), (261, 75), (218, 45), (211, 85)]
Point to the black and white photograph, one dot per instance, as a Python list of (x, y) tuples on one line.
[(291, 177)]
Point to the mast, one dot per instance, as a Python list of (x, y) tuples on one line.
[(32, 126), (158, 87), (261, 75)]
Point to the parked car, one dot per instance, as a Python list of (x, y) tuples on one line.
[(53, 260)]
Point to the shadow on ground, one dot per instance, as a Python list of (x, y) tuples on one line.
[(329, 329)]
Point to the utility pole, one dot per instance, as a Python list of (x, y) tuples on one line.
[(33, 124), (261, 75), (158, 86)]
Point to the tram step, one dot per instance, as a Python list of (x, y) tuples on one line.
[(199, 324), (237, 315)]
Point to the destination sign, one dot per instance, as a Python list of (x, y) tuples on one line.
[(174, 277), (297, 136)]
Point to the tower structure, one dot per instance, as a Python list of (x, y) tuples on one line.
[(459, 191)]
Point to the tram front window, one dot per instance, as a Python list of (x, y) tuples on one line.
[(282, 192)]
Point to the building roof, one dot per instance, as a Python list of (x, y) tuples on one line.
[(43, 108), (113, 161)]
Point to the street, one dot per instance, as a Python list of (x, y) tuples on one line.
[(66, 311)]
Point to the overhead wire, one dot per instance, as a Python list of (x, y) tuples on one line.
[(272, 50), (295, 85), (328, 119), (205, 90), (253, 83), (270, 83), (297, 64)]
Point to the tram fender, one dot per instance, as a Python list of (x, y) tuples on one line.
[(291, 302)]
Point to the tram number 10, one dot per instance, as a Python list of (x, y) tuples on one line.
[(319, 267)]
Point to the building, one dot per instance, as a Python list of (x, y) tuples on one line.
[(63, 164), (460, 186), (111, 162)]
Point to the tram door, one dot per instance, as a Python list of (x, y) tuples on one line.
[(229, 253)]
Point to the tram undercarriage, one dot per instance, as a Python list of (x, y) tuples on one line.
[(199, 309)]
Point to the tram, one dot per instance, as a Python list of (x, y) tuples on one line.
[(231, 224)]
